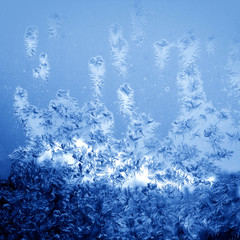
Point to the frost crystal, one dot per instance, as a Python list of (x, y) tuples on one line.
[(200, 126), (97, 71), (161, 50), (74, 180), (43, 70), (233, 72), (125, 97), (31, 40), (54, 26), (119, 49)]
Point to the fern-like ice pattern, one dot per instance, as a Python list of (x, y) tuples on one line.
[(43, 70), (75, 180), (31, 40)]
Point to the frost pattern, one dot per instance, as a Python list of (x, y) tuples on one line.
[(233, 70), (97, 70), (189, 79), (54, 26), (125, 97), (43, 70), (119, 49), (138, 23), (74, 180), (161, 52), (31, 40), (200, 135)]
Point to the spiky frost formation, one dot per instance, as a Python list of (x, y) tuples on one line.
[(29, 115), (43, 70), (97, 70), (118, 48), (31, 40), (20, 101), (54, 26), (233, 70), (189, 49), (138, 23), (189, 79), (125, 98), (200, 135), (161, 52)]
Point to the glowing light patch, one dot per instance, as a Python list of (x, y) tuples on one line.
[(81, 144), (57, 147), (47, 155), (211, 179), (140, 179)]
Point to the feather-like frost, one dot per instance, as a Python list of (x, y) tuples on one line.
[(73, 180), (43, 70), (189, 79), (31, 40), (54, 26), (118, 49), (97, 71), (233, 70), (161, 52), (125, 97)]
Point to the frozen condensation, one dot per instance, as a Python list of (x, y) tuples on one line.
[(43, 70), (31, 40), (119, 49), (161, 52), (97, 70)]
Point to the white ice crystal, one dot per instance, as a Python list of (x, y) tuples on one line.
[(43, 70), (54, 26), (161, 51), (233, 70), (31, 40), (97, 70), (125, 98), (118, 49)]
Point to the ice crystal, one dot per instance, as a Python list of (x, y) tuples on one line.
[(119, 49), (97, 71), (233, 73), (43, 70), (75, 180), (54, 26), (126, 101), (31, 40), (161, 50)]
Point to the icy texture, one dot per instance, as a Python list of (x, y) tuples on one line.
[(97, 71), (43, 70), (161, 50), (119, 49), (125, 97), (138, 23), (233, 70), (54, 26), (201, 134), (74, 180), (31, 40)]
